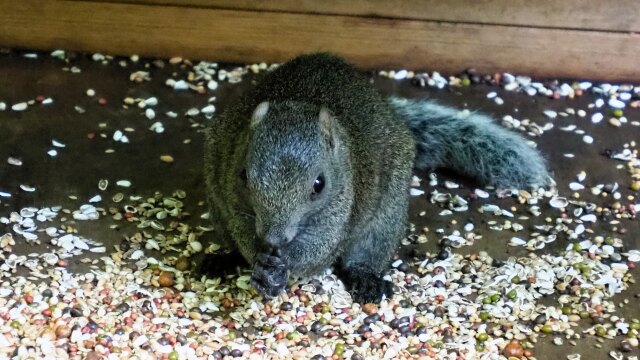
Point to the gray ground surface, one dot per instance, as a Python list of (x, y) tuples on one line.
[(79, 166)]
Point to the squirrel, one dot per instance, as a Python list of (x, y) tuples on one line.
[(312, 169)]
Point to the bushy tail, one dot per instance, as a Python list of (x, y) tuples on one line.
[(471, 144)]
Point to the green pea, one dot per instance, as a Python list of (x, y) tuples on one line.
[(495, 298), (617, 113), (512, 294), (584, 314), (516, 280), (173, 355), (547, 329), (482, 337), (484, 316)]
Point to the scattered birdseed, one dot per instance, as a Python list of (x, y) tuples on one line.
[(140, 299)]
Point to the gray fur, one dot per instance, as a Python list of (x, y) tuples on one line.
[(472, 144), (323, 117)]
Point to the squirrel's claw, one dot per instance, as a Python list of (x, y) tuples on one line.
[(270, 275), (367, 287)]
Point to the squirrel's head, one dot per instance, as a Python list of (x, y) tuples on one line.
[(294, 169)]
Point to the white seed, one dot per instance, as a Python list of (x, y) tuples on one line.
[(152, 101), (400, 75), (481, 193), (596, 118), (209, 109), (57, 144), (123, 183), (212, 85), (150, 114), (587, 139), (550, 114), (151, 245), (196, 246), (117, 135), (52, 152), (416, 192), (576, 186), (20, 106), (451, 185), (616, 104), (180, 85), (558, 202), (14, 161), (27, 188)]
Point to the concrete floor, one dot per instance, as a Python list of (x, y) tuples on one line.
[(78, 167)]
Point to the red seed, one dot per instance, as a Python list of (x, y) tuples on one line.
[(102, 101)]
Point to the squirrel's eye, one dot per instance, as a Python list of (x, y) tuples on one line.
[(243, 177), (318, 185)]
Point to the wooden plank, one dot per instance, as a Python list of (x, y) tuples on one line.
[(247, 36), (619, 15)]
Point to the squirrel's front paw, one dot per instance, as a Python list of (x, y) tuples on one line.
[(270, 275), (366, 287)]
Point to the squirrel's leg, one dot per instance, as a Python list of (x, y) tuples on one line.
[(363, 264)]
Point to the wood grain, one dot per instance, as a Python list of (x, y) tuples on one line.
[(249, 36), (619, 15)]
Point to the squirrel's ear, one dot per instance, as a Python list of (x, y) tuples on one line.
[(259, 113), (327, 127)]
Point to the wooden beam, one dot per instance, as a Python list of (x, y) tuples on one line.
[(249, 36), (619, 15)]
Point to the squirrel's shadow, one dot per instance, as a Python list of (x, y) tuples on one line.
[(221, 264)]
